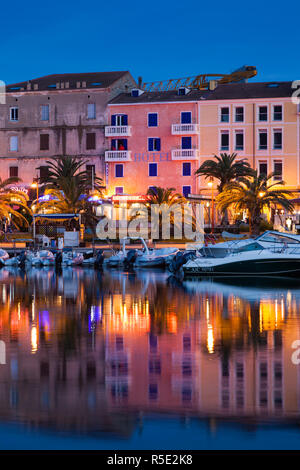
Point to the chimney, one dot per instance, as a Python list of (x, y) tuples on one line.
[(140, 82), (35, 86), (212, 85), (28, 86)]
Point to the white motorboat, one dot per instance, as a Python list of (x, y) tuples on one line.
[(43, 258), (160, 257), (23, 258), (4, 256), (72, 258), (263, 262), (276, 241), (141, 258)]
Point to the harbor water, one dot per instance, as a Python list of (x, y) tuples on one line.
[(142, 360)]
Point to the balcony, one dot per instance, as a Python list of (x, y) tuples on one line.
[(117, 156), (182, 129), (116, 131), (185, 154)]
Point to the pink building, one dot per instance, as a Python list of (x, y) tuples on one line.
[(161, 138)]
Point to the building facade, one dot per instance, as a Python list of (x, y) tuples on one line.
[(161, 138), (56, 115)]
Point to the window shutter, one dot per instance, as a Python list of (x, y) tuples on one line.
[(150, 145), (124, 120), (113, 120), (158, 145)]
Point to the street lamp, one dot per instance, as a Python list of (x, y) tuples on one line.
[(35, 185), (211, 185)]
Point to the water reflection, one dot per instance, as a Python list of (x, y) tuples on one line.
[(89, 351)]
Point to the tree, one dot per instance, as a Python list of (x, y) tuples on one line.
[(11, 202), (161, 203), (254, 194), (225, 168), (68, 186)]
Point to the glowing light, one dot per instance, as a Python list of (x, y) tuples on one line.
[(210, 339), (34, 344)]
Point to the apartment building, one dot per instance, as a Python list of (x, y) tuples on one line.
[(161, 138), (53, 115)]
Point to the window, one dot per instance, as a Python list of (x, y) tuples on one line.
[(186, 142), (182, 91), (44, 141), (90, 141), (186, 190), (152, 169), (119, 120), (119, 173), (263, 168), (263, 113), (277, 113), (186, 169), (224, 115), (225, 140), (277, 139), (278, 170), (13, 172), (90, 169), (152, 120), (263, 140), (153, 144), (14, 114), (186, 117), (153, 188), (119, 190), (119, 144), (91, 111), (239, 140), (44, 174), (45, 112), (239, 114), (13, 143)]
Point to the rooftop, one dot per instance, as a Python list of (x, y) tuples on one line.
[(68, 80), (222, 92)]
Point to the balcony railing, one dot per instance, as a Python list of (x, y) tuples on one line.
[(117, 156), (114, 131), (180, 129), (184, 154)]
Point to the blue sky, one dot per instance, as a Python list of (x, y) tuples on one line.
[(158, 40)]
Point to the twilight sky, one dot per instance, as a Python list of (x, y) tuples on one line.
[(160, 39)]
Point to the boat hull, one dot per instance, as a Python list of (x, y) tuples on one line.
[(258, 267)]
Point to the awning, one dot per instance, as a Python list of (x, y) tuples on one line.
[(55, 216)]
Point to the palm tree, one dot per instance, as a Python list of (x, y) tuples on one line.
[(65, 168), (254, 194), (225, 168), (68, 186), (161, 202), (11, 201), (157, 195)]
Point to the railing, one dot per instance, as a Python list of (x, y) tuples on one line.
[(184, 154), (117, 156), (179, 129), (112, 131)]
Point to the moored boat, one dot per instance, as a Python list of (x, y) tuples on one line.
[(249, 263)]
